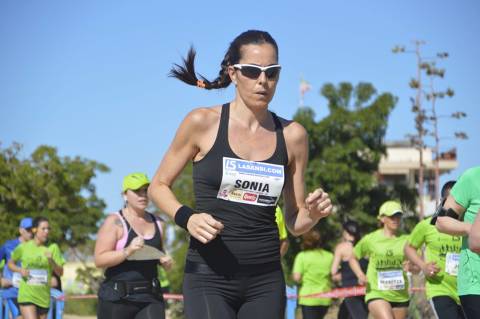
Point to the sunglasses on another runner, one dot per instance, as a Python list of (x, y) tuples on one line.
[(253, 71)]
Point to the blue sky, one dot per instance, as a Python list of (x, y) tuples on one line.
[(90, 77)]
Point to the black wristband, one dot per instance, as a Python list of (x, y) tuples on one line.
[(183, 215)]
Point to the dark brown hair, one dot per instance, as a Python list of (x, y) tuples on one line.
[(186, 72), (311, 239)]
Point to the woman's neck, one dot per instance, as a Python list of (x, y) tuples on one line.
[(389, 232), (135, 213), (248, 116)]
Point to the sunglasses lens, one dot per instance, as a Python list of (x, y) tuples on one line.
[(272, 72), (250, 71)]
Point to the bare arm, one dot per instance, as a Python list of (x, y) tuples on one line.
[(297, 277), (357, 270), (429, 269), (474, 238), (13, 267), (337, 257), (283, 247), (184, 148), (109, 233), (301, 213), (450, 225)]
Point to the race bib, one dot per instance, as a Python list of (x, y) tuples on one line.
[(250, 182), (451, 263), (37, 277), (16, 278), (391, 280)]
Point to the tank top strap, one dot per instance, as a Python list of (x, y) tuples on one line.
[(222, 134), (281, 148)]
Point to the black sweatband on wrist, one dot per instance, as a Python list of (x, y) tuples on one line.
[(183, 215)]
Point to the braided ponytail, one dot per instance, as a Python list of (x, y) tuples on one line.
[(186, 72)]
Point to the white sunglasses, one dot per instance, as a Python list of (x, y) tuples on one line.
[(253, 71)]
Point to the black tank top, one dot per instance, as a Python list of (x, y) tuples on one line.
[(242, 195), (137, 270), (349, 279)]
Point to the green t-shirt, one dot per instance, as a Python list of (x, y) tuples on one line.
[(162, 277), (385, 275), (466, 193), (36, 288), (314, 266), (444, 250)]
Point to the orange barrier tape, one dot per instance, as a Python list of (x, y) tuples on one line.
[(335, 293)]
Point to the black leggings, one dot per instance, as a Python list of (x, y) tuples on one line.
[(314, 312), (471, 306), (211, 296), (353, 308), (125, 309), (446, 308)]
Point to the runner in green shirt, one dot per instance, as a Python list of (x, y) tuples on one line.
[(311, 270), (38, 260), (440, 266), (464, 200), (387, 284)]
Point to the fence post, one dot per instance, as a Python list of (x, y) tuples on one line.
[(291, 302)]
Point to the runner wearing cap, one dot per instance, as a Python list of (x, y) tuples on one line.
[(38, 259), (440, 266), (10, 280), (387, 285), (311, 270), (131, 288)]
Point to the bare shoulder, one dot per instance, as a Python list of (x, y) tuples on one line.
[(294, 132), (113, 220), (203, 117)]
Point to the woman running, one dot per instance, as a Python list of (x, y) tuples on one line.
[(311, 272), (131, 288), (387, 285), (351, 307), (38, 259), (440, 266), (244, 157)]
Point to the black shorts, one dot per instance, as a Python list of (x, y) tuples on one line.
[(126, 309), (393, 304), (40, 310), (242, 296), (445, 307)]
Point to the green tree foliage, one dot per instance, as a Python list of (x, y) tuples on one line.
[(345, 149), (59, 188)]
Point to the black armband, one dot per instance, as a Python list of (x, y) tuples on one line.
[(441, 212), (183, 215)]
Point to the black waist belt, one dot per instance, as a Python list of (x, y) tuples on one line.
[(125, 288), (192, 267)]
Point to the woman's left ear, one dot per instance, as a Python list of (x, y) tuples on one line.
[(233, 76)]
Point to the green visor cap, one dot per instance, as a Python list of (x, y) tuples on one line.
[(390, 208), (135, 181)]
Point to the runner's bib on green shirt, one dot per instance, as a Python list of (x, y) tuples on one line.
[(466, 193), (385, 275), (443, 249), (36, 287)]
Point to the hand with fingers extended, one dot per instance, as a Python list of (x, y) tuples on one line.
[(318, 204), (204, 227)]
